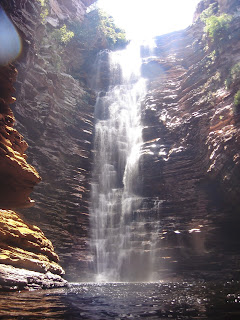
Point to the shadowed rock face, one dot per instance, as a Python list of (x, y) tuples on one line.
[(57, 124), (48, 113), (27, 257), (190, 157)]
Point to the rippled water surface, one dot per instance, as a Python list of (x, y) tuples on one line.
[(175, 300)]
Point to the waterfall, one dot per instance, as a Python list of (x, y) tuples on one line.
[(118, 237)]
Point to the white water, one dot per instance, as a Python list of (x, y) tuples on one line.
[(118, 238)]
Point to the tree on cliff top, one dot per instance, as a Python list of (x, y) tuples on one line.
[(98, 29)]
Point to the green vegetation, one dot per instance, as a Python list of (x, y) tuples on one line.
[(97, 31), (42, 2), (234, 75), (217, 27), (211, 59), (210, 11), (235, 72), (99, 28), (44, 9), (237, 99), (62, 35)]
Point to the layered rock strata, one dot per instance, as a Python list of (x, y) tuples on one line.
[(190, 157), (57, 124), (17, 177), (27, 257)]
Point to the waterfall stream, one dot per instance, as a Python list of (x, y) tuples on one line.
[(120, 244)]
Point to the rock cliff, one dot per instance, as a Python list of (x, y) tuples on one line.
[(54, 111), (17, 177), (190, 157), (27, 258), (53, 77)]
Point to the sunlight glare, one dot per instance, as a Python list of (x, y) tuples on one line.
[(143, 19)]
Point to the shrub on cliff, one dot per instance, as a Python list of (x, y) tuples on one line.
[(237, 99), (98, 29), (62, 35), (210, 11), (234, 75), (217, 27), (44, 9)]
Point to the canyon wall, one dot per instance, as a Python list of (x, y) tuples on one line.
[(190, 157), (54, 112), (27, 257)]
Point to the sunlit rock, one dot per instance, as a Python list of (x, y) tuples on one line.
[(25, 246), (17, 177), (69, 9), (12, 278)]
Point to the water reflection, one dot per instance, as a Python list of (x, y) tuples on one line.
[(183, 300)]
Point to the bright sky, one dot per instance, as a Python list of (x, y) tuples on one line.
[(143, 19)]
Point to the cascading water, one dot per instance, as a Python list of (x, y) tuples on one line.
[(119, 240)]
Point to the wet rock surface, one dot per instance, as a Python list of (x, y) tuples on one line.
[(12, 278)]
